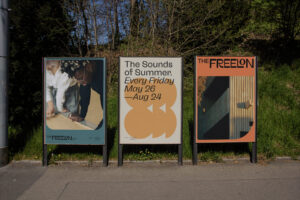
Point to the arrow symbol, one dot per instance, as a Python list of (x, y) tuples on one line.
[(163, 107), (150, 108)]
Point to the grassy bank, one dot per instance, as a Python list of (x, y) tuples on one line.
[(278, 128), (279, 112)]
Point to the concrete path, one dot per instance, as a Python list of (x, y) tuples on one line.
[(275, 180)]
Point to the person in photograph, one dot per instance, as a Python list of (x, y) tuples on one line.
[(89, 76), (62, 92)]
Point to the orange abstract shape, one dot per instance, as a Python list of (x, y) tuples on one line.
[(165, 123), (136, 126), (170, 92), (151, 103), (158, 123), (170, 121)]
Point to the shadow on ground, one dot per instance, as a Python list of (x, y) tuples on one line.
[(15, 179)]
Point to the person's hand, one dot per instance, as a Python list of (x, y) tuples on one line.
[(50, 109), (75, 117), (65, 110)]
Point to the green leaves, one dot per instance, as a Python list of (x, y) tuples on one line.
[(38, 29)]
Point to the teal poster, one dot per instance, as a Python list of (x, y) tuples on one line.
[(74, 101)]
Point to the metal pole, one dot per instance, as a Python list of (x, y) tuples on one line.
[(105, 156), (120, 146), (45, 152), (45, 155), (3, 81), (254, 144), (120, 155), (180, 162), (180, 146), (105, 146), (195, 145), (195, 150)]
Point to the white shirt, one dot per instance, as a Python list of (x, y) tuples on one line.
[(61, 82)]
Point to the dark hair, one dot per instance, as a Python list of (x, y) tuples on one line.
[(71, 66)]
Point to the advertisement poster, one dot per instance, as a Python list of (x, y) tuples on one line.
[(225, 99), (74, 101), (150, 100)]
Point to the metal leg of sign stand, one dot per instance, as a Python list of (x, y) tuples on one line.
[(180, 154), (45, 155), (105, 156), (195, 153), (254, 153), (195, 148), (120, 155), (254, 144)]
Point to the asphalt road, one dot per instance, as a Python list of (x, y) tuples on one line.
[(275, 180)]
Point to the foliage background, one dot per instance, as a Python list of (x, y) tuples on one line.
[(113, 28)]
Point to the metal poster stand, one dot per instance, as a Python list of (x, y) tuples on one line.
[(180, 147), (104, 147), (195, 144)]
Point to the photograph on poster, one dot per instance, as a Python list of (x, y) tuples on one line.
[(150, 100), (225, 106), (74, 94)]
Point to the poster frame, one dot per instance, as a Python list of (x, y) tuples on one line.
[(45, 158), (253, 156), (120, 146)]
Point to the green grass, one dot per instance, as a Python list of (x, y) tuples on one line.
[(278, 128), (279, 112), (211, 156), (33, 146), (148, 155)]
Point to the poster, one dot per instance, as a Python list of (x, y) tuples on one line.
[(74, 100), (225, 99), (150, 100)]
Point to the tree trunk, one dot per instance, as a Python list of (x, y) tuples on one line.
[(85, 20), (95, 26), (134, 17), (116, 23)]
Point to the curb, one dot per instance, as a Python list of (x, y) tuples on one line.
[(115, 162), (286, 158)]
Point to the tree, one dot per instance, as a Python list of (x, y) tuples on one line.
[(288, 19), (116, 32), (134, 17), (275, 19), (38, 29), (204, 27), (273, 28)]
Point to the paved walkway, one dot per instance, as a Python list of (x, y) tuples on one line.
[(134, 181)]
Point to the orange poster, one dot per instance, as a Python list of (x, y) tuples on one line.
[(225, 99), (150, 100)]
